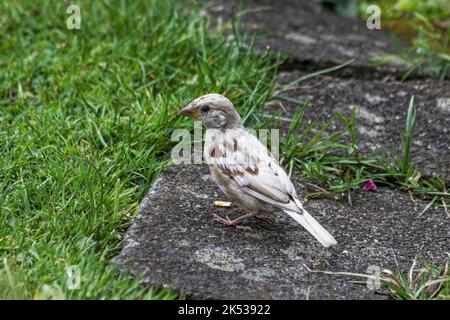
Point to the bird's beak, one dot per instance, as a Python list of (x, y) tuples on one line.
[(189, 111)]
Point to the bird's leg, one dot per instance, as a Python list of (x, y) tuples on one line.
[(237, 223)]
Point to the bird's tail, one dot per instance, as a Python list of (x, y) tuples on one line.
[(313, 227)]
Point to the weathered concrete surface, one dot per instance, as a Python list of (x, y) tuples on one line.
[(311, 36), (176, 242), (381, 111)]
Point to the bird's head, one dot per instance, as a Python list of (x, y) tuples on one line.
[(214, 110)]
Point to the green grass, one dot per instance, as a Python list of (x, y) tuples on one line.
[(86, 118), (425, 283)]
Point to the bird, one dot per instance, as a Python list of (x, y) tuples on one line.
[(245, 170)]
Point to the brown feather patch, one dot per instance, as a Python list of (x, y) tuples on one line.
[(229, 171), (254, 171)]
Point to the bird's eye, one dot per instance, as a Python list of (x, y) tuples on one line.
[(205, 109)]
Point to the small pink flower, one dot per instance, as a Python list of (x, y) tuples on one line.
[(370, 185)]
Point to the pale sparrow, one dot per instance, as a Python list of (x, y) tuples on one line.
[(244, 169)]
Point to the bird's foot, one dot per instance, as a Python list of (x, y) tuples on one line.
[(237, 223)]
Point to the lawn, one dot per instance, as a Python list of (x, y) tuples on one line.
[(86, 117)]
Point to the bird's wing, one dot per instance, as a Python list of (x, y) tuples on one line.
[(243, 158)]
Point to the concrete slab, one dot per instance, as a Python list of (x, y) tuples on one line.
[(312, 37), (175, 241)]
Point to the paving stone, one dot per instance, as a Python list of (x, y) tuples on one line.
[(175, 241), (311, 36), (381, 111)]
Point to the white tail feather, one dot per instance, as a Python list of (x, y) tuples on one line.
[(313, 227)]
